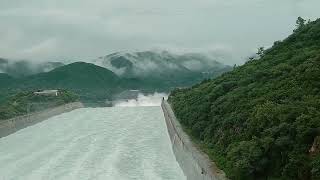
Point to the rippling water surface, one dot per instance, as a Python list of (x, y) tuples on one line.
[(116, 143)]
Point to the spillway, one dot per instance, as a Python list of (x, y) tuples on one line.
[(118, 143)]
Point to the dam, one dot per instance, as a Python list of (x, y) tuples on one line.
[(115, 143)]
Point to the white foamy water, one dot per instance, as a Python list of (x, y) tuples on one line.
[(116, 143), (143, 100)]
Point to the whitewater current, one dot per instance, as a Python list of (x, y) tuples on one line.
[(118, 143)]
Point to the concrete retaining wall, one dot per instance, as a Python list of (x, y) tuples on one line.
[(10, 126), (195, 164)]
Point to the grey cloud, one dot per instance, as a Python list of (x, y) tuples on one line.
[(82, 30)]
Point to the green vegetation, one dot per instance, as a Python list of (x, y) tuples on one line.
[(260, 120), (89, 81), (27, 102), (74, 76), (94, 83), (5, 79)]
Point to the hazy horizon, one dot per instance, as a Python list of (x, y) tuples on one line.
[(59, 30)]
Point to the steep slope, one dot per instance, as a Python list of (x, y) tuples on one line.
[(260, 120)]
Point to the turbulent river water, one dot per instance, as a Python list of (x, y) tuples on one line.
[(117, 143)]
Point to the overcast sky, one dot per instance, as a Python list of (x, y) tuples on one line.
[(45, 30)]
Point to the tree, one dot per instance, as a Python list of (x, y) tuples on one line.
[(251, 58), (234, 66), (260, 51), (300, 22)]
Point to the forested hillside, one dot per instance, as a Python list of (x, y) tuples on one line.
[(260, 120)]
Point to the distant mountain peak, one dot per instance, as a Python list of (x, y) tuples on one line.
[(154, 63)]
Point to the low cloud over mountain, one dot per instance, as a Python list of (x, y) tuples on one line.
[(158, 64)]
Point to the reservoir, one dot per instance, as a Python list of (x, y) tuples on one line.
[(116, 143)]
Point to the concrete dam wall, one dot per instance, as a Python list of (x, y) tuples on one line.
[(13, 125), (195, 164)]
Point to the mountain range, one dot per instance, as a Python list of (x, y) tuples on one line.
[(157, 64), (162, 70), (146, 71)]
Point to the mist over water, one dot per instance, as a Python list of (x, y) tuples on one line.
[(143, 100), (117, 143)]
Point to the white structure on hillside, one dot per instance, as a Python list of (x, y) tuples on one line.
[(47, 93)]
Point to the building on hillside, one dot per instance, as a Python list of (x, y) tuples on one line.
[(47, 93)]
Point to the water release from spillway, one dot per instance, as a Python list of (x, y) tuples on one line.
[(117, 143)]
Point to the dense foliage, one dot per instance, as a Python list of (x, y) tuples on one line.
[(260, 120), (27, 102)]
